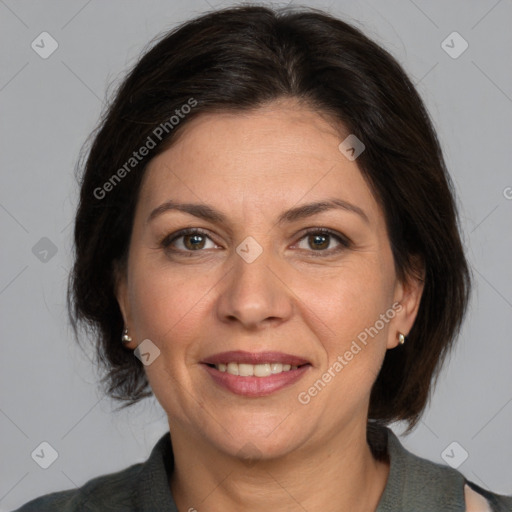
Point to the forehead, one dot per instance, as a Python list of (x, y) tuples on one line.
[(270, 157)]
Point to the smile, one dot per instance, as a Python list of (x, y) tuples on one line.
[(255, 380), (256, 370)]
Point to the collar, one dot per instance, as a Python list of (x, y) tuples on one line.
[(413, 483), (419, 484), (152, 485)]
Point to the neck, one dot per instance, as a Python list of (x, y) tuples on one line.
[(339, 476)]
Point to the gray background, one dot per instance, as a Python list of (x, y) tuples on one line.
[(48, 108)]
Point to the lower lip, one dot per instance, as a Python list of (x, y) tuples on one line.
[(256, 386)]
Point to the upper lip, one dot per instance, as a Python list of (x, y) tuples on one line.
[(240, 356)]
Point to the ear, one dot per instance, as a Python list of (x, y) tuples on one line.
[(121, 293), (408, 293)]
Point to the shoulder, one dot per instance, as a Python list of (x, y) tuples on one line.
[(419, 484), (141, 486), (496, 502), (450, 483), (110, 492)]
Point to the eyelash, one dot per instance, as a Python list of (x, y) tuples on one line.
[(344, 242)]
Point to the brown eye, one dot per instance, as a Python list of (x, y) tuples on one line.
[(323, 241), (187, 240), (194, 242), (320, 241)]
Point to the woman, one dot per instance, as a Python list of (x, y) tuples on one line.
[(261, 241)]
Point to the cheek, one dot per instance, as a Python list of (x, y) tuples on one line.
[(350, 313), (348, 300), (168, 309), (167, 303)]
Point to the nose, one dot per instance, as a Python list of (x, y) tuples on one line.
[(255, 294)]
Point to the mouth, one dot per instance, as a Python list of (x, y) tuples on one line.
[(251, 386), (255, 370), (255, 374), (259, 364)]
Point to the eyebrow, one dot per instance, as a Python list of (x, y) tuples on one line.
[(207, 212)]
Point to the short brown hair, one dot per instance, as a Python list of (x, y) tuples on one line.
[(241, 58)]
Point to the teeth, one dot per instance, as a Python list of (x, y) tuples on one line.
[(233, 368), (254, 370)]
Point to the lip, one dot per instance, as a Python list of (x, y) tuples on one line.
[(255, 386), (241, 356)]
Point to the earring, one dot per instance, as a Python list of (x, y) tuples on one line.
[(401, 338), (125, 338)]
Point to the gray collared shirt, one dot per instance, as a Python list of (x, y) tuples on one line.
[(414, 485)]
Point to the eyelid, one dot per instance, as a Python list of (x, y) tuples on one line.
[(336, 234), (343, 240), (168, 239)]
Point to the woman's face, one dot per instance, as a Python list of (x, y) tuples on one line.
[(253, 279)]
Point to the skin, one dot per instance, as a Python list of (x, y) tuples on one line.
[(293, 298)]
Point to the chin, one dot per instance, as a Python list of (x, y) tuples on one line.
[(256, 444)]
